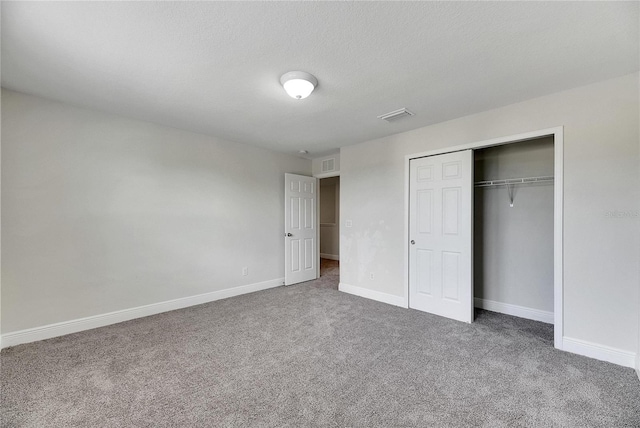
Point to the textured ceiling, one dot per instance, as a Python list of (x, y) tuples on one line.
[(214, 67)]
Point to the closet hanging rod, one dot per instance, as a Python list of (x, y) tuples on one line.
[(510, 181)]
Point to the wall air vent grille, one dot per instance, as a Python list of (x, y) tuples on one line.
[(329, 165), (392, 116)]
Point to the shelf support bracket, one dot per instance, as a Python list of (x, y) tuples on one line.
[(510, 192)]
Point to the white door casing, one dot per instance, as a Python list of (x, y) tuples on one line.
[(441, 235), (300, 228)]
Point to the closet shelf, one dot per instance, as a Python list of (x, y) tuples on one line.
[(512, 181)]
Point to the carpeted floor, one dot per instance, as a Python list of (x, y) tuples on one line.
[(329, 275), (310, 356)]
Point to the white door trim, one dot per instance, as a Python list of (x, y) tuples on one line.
[(558, 208), (327, 174)]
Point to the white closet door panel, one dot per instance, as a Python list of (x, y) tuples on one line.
[(424, 272), (440, 233)]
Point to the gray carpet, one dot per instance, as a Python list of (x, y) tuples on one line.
[(311, 356)]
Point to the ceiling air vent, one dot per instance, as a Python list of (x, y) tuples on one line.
[(392, 116), (329, 165)]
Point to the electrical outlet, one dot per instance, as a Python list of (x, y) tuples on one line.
[(372, 276), (245, 271), (348, 223)]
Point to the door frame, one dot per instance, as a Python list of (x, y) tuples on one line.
[(558, 211)]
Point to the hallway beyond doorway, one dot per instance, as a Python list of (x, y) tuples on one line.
[(329, 274)]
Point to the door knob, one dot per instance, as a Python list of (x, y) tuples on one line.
[(289, 234), (413, 242)]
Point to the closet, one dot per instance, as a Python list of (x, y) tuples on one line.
[(484, 231), (513, 229)]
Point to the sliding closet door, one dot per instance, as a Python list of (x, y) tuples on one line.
[(440, 235)]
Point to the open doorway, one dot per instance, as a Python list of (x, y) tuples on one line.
[(513, 234), (330, 231)]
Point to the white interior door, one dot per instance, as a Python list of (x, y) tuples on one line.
[(300, 228), (441, 235)]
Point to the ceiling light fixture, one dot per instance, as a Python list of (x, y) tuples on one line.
[(298, 84)]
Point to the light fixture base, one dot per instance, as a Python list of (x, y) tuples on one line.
[(298, 84)]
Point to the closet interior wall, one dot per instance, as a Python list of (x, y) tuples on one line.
[(513, 246)]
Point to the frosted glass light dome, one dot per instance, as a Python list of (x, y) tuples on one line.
[(298, 84)]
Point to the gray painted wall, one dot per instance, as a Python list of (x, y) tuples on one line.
[(102, 213), (329, 216), (513, 246), (601, 153)]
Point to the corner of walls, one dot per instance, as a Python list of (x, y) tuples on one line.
[(136, 213), (326, 166)]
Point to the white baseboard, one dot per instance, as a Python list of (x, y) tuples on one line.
[(599, 352), (638, 365), (95, 321), (515, 310), (329, 256), (373, 295)]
